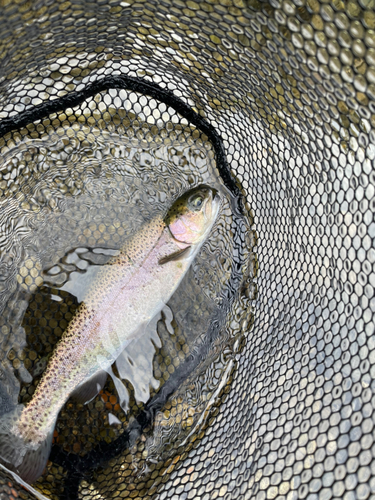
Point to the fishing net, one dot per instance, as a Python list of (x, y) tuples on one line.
[(260, 383)]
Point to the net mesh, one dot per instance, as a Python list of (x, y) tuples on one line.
[(273, 98)]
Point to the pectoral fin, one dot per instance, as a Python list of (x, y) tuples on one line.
[(174, 256), (89, 389)]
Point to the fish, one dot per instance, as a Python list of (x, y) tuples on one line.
[(128, 292)]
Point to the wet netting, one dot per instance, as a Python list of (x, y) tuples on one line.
[(257, 380)]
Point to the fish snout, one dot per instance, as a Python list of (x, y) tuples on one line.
[(212, 205)]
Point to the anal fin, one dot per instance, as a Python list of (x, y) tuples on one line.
[(87, 391)]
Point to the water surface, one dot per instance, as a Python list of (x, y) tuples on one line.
[(73, 189)]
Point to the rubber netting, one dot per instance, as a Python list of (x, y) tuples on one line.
[(276, 101)]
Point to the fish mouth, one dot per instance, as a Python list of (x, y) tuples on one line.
[(215, 204), (211, 211), (215, 193)]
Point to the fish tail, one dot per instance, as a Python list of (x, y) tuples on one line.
[(25, 459)]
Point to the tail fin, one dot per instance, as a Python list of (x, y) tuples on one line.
[(26, 459), (21, 482)]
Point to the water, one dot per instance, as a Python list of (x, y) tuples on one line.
[(73, 189)]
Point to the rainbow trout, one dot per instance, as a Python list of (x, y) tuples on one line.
[(127, 293)]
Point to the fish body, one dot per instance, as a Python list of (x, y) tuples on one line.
[(127, 293)]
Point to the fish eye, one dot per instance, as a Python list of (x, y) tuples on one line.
[(196, 202)]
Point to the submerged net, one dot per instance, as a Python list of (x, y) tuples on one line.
[(261, 377)]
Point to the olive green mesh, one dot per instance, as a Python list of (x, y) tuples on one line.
[(282, 406)]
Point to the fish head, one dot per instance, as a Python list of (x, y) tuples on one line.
[(191, 216)]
